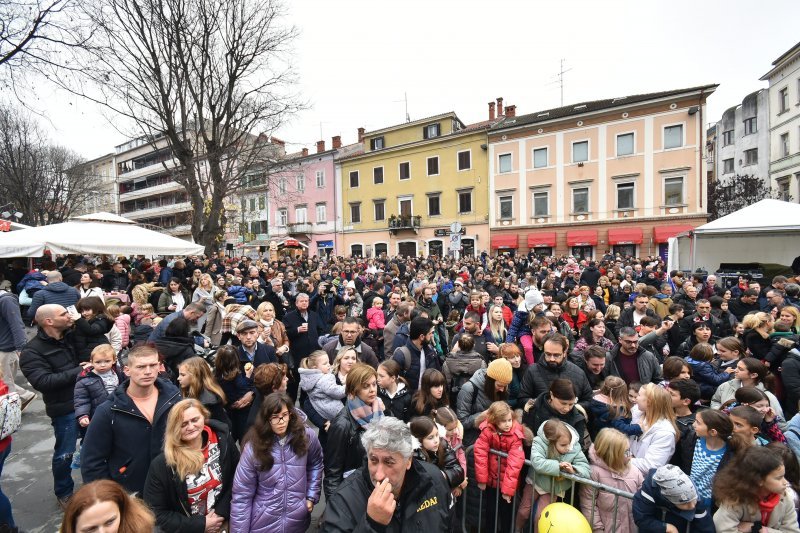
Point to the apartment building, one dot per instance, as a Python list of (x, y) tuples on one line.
[(104, 196), (742, 139), (784, 123), (620, 175)]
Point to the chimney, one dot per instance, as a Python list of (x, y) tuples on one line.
[(320, 146), (500, 106), (361, 134), (491, 110), (336, 142), (511, 111), (304, 152)]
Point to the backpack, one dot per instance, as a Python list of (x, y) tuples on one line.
[(10, 414), (406, 359)]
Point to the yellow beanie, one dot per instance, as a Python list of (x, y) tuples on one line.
[(501, 371)]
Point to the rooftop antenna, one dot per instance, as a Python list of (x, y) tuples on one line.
[(561, 73), (405, 100)]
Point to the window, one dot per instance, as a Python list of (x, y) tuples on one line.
[(252, 204), (405, 171), (783, 100), (783, 190), (322, 213), (673, 191), (541, 201), (301, 215), (283, 217), (376, 143), (355, 213), (381, 248), (354, 179), (262, 202), (356, 250), (434, 205), (750, 125), (625, 196), (406, 207), (540, 158), (465, 201), (751, 156), (320, 179), (377, 175), (464, 160), (505, 163), (580, 200), (784, 147), (282, 186), (625, 144), (727, 166), (244, 205), (301, 183), (430, 131), (433, 166), (580, 151), (727, 138), (380, 210), (673, 137), (506, 207)]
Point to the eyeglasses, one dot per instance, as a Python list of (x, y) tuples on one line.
[(279, 419)]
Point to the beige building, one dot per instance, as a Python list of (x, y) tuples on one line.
[(104, 197)]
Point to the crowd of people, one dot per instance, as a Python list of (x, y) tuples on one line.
[(232, 394)]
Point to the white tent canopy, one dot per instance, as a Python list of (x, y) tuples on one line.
[(96, 233), (765, 232)]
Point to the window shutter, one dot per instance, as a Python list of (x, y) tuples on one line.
[(425, 132)]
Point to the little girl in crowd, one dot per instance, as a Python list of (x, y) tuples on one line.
[(431, 447), (610, 407), (91, 327), (770, 422), (393, 391), (556, 449), (752, 496), (654, 413), (714, 447), (95, 383), (454, 434), (674, 367), (610, 456), (431, 394), (499, 431), (376, 321), (122, 321), (325, 395), (235, 384)]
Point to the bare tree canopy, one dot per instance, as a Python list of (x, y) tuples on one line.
[(211, 77), (42, 181), (736, 193)]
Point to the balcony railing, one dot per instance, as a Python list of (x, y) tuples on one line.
[(404, 222), (299, 227), (158, 210)]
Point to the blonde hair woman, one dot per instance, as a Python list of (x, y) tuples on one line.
[(654, 413), (756, 339), (204, 293), (274, 332), (344, 362), (197, 381), (189, 485)]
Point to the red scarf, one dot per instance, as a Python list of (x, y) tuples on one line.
[(767, 505)]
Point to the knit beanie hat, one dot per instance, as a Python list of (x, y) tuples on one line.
[(675, 486), (532, 298), (500, 370)]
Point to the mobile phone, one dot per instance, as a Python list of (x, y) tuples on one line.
[(71, 310)]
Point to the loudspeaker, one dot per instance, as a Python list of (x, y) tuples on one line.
[(229, 246)]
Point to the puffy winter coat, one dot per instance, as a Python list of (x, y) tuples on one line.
[(660, 305), (783, 518), (486, 464), (727, 391), (519, 326), (123, 323), (239, 293), (325, 395), (51, 367), (602, 417), (542, 411), (546, 474), (708, 377), (31, 283), (56, 293), (89, 334), (539, 376), (790, 373), (175, 350), (274, 500), (605, 503), (344, 451), (472, 400), (166, 493), (90, 392), (655, 446), (412, 373), (399, 405), (459, 367)]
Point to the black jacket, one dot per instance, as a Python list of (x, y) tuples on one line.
[(166, 494), (398, 406), (343, 451), (542, 412), (451, 468), (626, 318), (277, 303), (790, 373), (89, 334), (412, 373), (302, 344), (174, 351), (590, 276), (90, 391), (539, 376), (424, 504), (121, 443), (739, 309), (51, 367), (264, 354)]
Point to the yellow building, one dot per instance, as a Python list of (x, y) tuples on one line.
[(402, 192)]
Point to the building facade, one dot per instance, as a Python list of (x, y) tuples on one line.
[(105, 196), (620, 175), (411, 182), (742, 139), (784, 123)]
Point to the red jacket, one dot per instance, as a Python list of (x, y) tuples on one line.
[(486, 463), (575, 323), (6, 441)]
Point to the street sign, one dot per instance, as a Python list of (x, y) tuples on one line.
[(455, 227), (455, 242)]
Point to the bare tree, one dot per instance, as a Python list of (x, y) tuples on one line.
[(211, 77), (736, 193), (44, 182)]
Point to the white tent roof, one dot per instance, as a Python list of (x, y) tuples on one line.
[(97, 233), (766, 215)]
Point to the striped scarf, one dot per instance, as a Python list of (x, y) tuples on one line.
[(364, 413)]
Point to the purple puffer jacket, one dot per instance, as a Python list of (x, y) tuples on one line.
[(274, 501)]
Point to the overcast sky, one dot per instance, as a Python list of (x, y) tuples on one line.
[(357, 59)]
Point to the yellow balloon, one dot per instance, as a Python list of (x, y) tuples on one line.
[(563, 518)]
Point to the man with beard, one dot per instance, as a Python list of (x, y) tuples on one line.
[(472, 326), (418, 353), (551, 366), (395, 334), (351, 336), (427, 304), (631, 362), (191, 313), (391, 309)]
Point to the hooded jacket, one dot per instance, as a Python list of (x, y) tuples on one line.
[(167, 496), (293, 479), (655, 446), (652, 512), (708, 377), (486, 464), (541, 412), (603, 514), (783, 518), (459, 367), (51, 367), (546, 474), (539, 376), (175, 350), (57, 292), (659, 304), (399, 405), (121, 443), (423, 504), (325, 395), (90, 391)]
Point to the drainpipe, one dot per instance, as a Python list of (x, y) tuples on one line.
[(700, 152)]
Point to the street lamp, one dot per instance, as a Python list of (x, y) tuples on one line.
[(17, 215)]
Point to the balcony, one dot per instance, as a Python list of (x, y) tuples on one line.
[(168, 209), (146, 170), (150, 191), (404, 222), (299, 228), (183, 229)]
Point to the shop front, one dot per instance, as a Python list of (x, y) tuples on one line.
[(581, 243), (625, 240), (662, 234), (508, 243), (542, 243)]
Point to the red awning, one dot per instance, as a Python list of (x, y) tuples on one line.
[(582, 237), (544, 239), (663, 233), (625, 236), (505, 241)]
